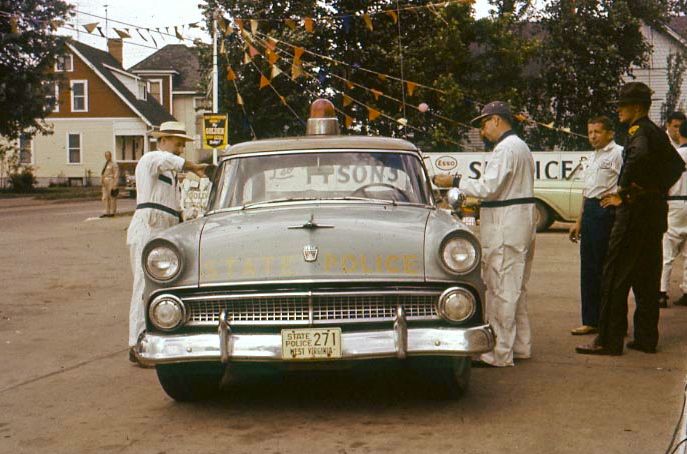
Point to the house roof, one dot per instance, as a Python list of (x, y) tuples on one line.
[(177, 57), (149, 110)]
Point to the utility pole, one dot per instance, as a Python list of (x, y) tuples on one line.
[(106, 21), (215, 80)]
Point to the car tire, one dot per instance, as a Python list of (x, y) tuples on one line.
[(191, 381), (448, 378), (544, 216)]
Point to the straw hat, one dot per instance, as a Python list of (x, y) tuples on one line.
[(172, 129)]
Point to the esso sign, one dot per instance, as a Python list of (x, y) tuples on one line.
[(446, 163)]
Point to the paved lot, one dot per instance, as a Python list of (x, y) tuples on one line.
[(66, 385)]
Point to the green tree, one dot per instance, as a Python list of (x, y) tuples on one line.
[(28, 50), (676, 66), (588, 47), (463, 60)]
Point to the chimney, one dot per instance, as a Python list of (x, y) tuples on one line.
[(114, 47)]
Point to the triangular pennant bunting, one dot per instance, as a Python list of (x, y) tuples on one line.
[(376, 93), (272, 57), (231, 75), (290, 23), (296, 71), (309, 24), (411, 86), (141, 35), (246, 59), (348, 121), (100, 30), (392, 15), (297, 53), (264, 81), (90, 27), (368, 21), (275, 71), (253, 51), (239, 99), (253, 26), (381, 77), (239, 23), (122, 34), (349, 85), (372, 113), (177, 34), (347, 100)]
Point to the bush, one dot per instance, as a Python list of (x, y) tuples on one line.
[(23, 180)]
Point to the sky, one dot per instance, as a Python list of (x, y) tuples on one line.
[(150, 14)]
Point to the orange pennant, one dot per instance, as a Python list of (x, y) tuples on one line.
[(231, 75), (239, 99), (411, 87), (239, 24), (309, 24), (264, 81), (348, 121), (349, 85), (296, 71), (392, 14), (253, 51), (90, 27), (290, 23), (372, 113), (283, 100), (382, 77), (347, 100), (297, 53), (272, 57), (376, 93), (271, 43), (368, 21)]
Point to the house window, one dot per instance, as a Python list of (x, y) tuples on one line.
[(156, 90), (74, 148), (25, 149), (53, 94), (64, 63), (79, 95)]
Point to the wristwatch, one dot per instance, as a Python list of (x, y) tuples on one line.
[(456, 181)]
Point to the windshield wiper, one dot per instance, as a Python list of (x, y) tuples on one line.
[(284, 199)]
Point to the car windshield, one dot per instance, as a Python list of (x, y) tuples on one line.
[(354, 175)]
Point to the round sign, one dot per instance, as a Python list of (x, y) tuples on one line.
[(446, 163)]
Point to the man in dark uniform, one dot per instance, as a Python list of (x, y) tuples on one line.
[(634, 253)]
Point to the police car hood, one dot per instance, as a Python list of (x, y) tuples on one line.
[(326, 242)]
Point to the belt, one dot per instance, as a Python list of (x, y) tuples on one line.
[(509, 202), (157, 206), (676, 197)]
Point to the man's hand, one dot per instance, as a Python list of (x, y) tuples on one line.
[(199, 169), (445, 180), (574, 233), (611, 200)]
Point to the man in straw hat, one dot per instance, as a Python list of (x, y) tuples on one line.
[(156, 209), (508, 226), (650, 167)]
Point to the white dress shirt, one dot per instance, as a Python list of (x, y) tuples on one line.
[(680, 186), (601, 175)]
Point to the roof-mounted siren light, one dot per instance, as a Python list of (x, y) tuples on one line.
[(322, 120)]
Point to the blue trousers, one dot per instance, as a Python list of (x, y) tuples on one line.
[(597, 223)]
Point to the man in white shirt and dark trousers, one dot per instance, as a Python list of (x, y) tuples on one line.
[(507, 232), (674, 238), (157, 208), (593, 226), (673, 124)]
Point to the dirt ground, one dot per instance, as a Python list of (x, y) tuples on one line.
[(66, 385)]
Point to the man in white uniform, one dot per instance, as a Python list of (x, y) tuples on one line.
[(507, 230), (157, 208), (674, 238), (594, 225)]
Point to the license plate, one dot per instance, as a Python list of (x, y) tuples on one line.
[(310, 343)]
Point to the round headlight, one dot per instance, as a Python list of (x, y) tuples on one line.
[(456, 304), (167, 312), (162, 263), (459, 255)]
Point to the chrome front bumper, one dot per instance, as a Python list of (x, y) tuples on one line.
[(398, 342)]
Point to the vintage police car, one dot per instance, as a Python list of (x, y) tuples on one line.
[(322, 248)]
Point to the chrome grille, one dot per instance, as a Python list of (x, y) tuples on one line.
[(310, 308)]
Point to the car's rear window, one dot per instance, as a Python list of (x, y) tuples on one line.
[(246, 180)]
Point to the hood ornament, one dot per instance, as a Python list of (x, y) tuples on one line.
[(310, 225), (310, 253)]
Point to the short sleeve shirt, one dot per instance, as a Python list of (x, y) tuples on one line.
[(156, 178), (601, 175)]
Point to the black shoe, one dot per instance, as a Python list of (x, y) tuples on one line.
[(593, 349), (634, 345), (663, 300), (682, 301)]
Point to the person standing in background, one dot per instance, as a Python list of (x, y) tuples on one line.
[(593, 226), (109, 177), (674, 240), (673, 123)]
